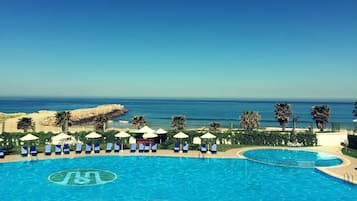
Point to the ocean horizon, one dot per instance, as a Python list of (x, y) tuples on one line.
[(199, 112)]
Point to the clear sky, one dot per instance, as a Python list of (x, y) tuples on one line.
[(179, 48)]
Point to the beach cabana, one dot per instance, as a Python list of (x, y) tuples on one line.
[(121, 135), (181, 136)]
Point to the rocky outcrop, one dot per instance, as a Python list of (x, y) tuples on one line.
[(45, 120), (87, 115)]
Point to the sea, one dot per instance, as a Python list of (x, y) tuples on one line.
[(198, 112)]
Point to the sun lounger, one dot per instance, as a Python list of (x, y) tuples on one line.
[(96, 148), (33, 151), (66, 149), (185, 148), (147, 147), (116, 147), (88, 148), (177, 147), (58, 149), (214, 148), (109, 147), (133, 147), (48, 149), (24, 151), (141, 148), (154, 147), (203, 148), (78, 148), (2, 155)]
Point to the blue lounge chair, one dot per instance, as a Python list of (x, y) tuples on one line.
[(88, 148), (141, 148), (48, 150), (33, 150), (203, 148), (116, 147), (147, 147), (214, 148), (185, 148), (2, 155), (96, 148), (154, 147), (133, 147), (58, 149), (66, 149), (24, 151), (109, 147), (78, 148), (177, 147)]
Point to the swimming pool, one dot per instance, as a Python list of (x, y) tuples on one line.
[(147, 178), (293, 158)]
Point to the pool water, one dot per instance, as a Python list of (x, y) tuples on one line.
[(293, 158), (166, 178)]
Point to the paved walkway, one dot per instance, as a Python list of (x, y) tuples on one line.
[(346, 171)]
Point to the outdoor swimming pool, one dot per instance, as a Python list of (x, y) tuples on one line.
[(165, 178), (293, 158)]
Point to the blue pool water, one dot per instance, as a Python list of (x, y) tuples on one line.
[(296, 158), (175, 179)]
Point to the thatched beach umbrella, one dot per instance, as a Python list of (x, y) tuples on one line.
[(145, 129), (181, 135), (61, 137), (149, 135), (29, 137), (121, 135), (207, 136), (93, 135), (161, 132)]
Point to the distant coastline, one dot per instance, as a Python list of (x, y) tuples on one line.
[(198, 112)]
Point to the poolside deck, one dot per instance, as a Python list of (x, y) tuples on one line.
[(345, 171)]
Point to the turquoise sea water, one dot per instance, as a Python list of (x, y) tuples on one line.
[(158, 112), (294, 158), (175, 179)]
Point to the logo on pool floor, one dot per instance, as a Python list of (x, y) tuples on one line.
[(82, 177)]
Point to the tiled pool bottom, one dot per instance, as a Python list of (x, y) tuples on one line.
[(166, 178)]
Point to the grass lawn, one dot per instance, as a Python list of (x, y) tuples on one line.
[(349, 152)]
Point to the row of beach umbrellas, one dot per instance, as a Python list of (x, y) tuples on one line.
[(148, 133)]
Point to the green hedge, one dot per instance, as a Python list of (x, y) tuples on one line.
[(238, 138)]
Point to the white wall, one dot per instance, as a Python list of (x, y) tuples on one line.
[(331, 139)]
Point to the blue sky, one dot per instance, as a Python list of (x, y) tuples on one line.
[(179, 48)]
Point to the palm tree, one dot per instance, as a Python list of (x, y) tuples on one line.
[(320, 114), (214, 126), (25, 123), (63, 119), (282, 113), (250, 120), (100, 122), (178, 122), (355, 110), (138, 121)]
